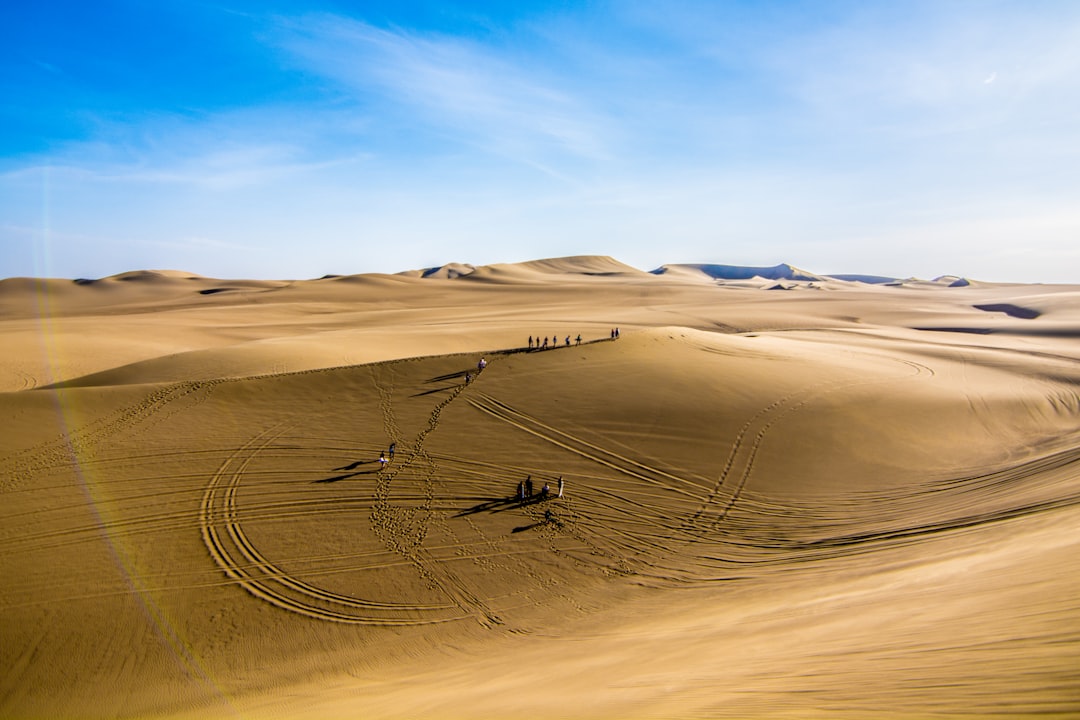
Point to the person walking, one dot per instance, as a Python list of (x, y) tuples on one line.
[(567, 341), (393, 447), (578, 338), (382, 461)]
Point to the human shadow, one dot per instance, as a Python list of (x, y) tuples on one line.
[(549, 519), (463, 375), (432, 392), (448, 376), (497, 505), (347, 475), (493, 506), (353, 466)]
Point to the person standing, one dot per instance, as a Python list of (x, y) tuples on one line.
[(393, 447), (528, 486), (560, 485), (382, 461), (530, 342), (578, 339)]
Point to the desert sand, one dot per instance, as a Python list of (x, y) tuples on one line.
[(783, 499)]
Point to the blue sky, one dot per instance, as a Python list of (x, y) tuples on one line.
[(291, 139)]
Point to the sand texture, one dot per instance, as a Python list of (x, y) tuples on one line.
[(800, 499)]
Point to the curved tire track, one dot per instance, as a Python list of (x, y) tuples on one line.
[(241, 561)]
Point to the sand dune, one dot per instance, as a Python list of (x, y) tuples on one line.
[(847, 500)]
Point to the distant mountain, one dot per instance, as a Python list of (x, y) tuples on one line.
[(869, 279), (782, 271), (596, 265)]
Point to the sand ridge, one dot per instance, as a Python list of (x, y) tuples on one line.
[(844, 500)]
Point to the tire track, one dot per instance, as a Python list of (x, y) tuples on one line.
[(80, 443), (623, 552), (242, 562), (764, 420), (620, 463)]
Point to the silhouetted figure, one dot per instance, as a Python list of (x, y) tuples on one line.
[(393, 447), (578, 338), (567, 341), (612, 333), (528, 486), (545, 343), (616, 333), (560, 485), (530, 342)]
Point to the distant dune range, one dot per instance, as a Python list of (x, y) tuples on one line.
[(787, 495)]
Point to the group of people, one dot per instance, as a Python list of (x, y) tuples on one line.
[(525, 490), (544, 343)]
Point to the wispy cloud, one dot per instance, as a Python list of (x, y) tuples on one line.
[(221, 152), (453, 89)]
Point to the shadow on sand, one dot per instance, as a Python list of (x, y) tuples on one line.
[(347, 475), (496, 505)]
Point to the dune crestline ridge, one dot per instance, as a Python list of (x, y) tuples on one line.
[(858, 497)]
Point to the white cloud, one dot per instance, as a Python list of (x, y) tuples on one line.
[(453, 88)]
